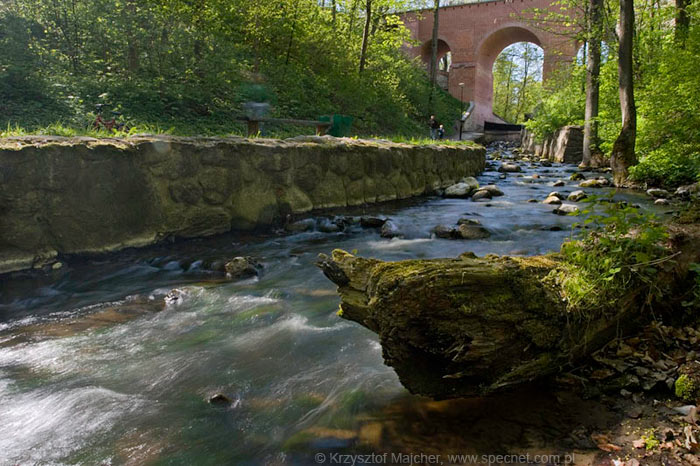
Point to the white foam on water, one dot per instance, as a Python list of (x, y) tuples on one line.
[(397, 243), (245, 302), (17, 323), (43, 426), (374, 345), (56, 355), (295, 324)]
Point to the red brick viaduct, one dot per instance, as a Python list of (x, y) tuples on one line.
[(475, 34)]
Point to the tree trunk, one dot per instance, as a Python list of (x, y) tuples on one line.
[(506, 104), (290, 43), (351, 20), (523, 87), (682, 21), (365, 34), (333, 12), (590, 127), (473, 326), (434, 44), (623, 155)]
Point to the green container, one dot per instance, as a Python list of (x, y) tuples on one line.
[(340, 124)]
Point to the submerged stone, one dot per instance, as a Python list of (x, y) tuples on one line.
[(389, 230), (242, 267), (372, 222), (469, 231)]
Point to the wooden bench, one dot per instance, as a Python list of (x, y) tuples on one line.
[(254, 124)]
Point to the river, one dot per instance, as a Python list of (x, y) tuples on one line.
[(94, 370)]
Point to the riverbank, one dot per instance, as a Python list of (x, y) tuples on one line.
[(65, 196)]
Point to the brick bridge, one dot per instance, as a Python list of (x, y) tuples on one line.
[(475, 34)]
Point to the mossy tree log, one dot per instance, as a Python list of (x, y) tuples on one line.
[(472, 326)]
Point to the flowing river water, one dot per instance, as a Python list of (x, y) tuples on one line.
[(95, 369)]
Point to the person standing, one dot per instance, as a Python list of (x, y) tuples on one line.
[(434, 126), (441, 132)]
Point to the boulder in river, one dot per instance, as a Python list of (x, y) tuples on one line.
[(481, 194), (389, 230), (552, 200), (299, 226), (577, 177), (492, 189), (565, 209), (661, 202), (462, 189), (658, 193), (559, 183), (577, 196), (594, 183), (507, 167), (372, 222), (468, 221), (688, 191), (557, 194), (326, 225), (469, 231), (445, 232), (242, 267)]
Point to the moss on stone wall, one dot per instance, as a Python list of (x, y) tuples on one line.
[(79, 195)]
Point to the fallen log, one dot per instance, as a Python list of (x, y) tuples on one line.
[(473, 326)]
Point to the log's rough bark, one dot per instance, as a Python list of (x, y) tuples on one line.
[(473, 326)]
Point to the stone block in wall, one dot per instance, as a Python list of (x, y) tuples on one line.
[(568, 145)]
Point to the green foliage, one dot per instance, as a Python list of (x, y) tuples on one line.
[(650, 440), (187, 67), (425, 141), (667, 93), (563, 105), (671, 165), (619, 253), (517, 81), (686, 389)]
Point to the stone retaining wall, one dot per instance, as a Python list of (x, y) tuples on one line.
[(84, 195)]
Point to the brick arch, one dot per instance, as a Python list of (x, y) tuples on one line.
[(486, 54), (426, 49), (476, 33)]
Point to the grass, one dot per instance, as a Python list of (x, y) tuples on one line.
[(423, 141), (235, 129)]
